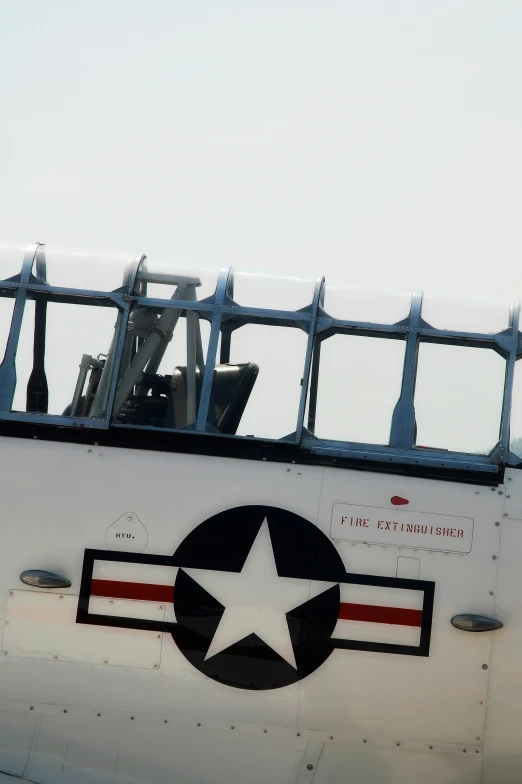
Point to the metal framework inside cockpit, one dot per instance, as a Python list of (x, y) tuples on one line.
[(207, 395)]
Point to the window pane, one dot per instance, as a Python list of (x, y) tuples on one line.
[(162, 368), (458, 397), (11, 259), (262, 290), (465, 315), (257, 393), (360, 304), (359, 385), (516, 412), (76, 340), (163, 281)]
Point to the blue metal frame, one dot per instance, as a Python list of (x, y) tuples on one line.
[(223, 312)]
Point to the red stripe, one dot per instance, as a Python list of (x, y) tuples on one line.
[(144, 592), (147, 592), (376, 614)]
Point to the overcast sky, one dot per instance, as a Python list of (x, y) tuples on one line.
[(376, 142)]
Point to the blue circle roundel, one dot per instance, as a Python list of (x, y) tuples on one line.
[(257, 597)]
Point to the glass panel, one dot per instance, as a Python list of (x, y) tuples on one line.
[(6, 314), (359, 385), (258, 290), (162, 281), (363, 304), (516, 412), (11, 259), (257, 392), (59, 344), (458, 397), (465, 315), (85, 269), (162, 368)]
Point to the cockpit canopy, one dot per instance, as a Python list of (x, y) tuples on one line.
[(109, 341)]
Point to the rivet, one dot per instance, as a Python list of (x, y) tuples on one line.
[(430, 747), (98, 714), (501, 492), (95, 443), (11, 593), (509, 479), (199, 724), (508, 496), (65, 710), (156, 666), (264, 458), (165, 721), (130, 517), (105, 661), (494, 557), (477, 751), (492, 593), (484, 667), (497, 524), (397, 744), (32, 707), (298, 734), (232, 727), (365, 740), (492, 489), (309, 766), (464, 750), (111, 601), (61, 596), (159, 636), (482, 702), (505, 514), (331, 737), (288, 470), (89, 450), (265, 730), (132, 718), (161, 607), (55, 656)]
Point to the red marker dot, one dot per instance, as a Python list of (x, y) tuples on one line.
[(397, 500)]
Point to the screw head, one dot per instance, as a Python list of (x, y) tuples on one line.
[(98, 714), (111, 601), (156, 666), (309, 767), (484, 666), (65, 710), (492, 593), (132, 718), (501, 492), (497, 524), (365, 740), (161, 607), (494, 557), (11, 593), (130, 517)]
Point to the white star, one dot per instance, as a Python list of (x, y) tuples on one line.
[(256, 599)]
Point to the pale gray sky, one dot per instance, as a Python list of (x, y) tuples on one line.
[(376, 142)]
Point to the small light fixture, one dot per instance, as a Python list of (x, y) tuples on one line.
[(40, 579)]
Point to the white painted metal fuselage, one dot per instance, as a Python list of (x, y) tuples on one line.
[(81, 702)]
